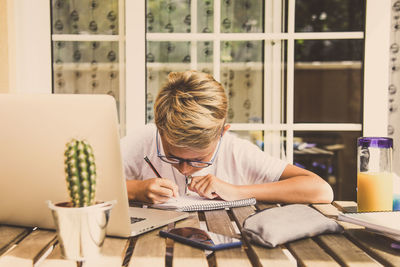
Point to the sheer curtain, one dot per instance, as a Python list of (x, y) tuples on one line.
[(394, 87)]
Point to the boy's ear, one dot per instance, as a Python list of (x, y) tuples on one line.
[(226, 128)]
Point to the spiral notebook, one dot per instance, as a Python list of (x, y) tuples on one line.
[(384, 222), (197, 203)]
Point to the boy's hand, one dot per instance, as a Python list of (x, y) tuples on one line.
[(156, 190), (211, 187)]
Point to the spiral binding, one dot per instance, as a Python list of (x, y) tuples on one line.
[(220, 205)]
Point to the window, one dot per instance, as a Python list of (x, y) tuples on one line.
[(294, 85), (278, 43), (88, 49)]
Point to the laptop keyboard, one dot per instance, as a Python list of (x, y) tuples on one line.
[(136, 219)]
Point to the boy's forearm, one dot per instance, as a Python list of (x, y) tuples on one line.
[(301, 189), (133, 186)]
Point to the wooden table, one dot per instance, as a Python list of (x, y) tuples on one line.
[(356, 247)]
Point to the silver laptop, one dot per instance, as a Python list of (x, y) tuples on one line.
[(33, 132)]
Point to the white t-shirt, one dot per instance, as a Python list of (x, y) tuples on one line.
[(238, 161)]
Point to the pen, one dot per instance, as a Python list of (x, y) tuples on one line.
[(156, 172), (395, 245), (188, 180), (152, 167)]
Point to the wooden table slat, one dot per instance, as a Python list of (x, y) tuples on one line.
[(185, 255), (149, 250), (346, 251), (345, 206), (30, 249), (9, 235), (309, 253), (259, 255), (22, 247), (240, 214), (376, 245), (113, 253), (114, 250), (273, 257), (343, 249), (55, 259), (218, 221), (327, 209), (262, 206), (347, 225)]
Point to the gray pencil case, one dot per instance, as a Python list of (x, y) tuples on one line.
[(275, 226)]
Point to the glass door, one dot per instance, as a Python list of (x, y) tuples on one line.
[(293, 71), (88, 49)]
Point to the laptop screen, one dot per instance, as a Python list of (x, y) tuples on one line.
[(34, 131)]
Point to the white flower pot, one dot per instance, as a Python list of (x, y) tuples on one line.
[(81, 231)]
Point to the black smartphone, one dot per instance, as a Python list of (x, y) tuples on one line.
[(201, 239)]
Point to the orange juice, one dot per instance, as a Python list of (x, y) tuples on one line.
[(374, 191)]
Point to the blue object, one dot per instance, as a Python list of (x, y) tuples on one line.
[(396, 202), (299, 165), (379, 142), (217, 242), (395, 245)]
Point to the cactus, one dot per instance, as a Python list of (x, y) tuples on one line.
[(80, 170)]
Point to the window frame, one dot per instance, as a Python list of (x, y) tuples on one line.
[(370, 125), (29, 30)]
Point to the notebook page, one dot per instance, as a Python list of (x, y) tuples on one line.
[(189, 200), (195, 202), (385, 222)]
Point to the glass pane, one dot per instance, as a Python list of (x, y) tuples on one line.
[(328, 81), (242, 77), (168, 16), (271, 142), (242, 16), (329, 16), (333, 156), (174, 56), (178, 52), (85, 52), (329, 50), (167, 52), (84, 17), (205, 16), (86, 68), (205, 53)]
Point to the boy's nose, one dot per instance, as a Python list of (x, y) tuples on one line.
[(184, 168)]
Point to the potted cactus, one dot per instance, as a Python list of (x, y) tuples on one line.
[(80, 170), (80, 223)]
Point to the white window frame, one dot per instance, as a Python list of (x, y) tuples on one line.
[(376, 68), (30, 62)]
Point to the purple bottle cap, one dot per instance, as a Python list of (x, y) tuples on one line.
[(378, 142)]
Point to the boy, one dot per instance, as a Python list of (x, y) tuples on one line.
[(191, 148)]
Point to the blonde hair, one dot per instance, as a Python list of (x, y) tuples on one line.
[(190, 109)]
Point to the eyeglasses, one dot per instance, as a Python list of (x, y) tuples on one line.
[(193, 163)]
